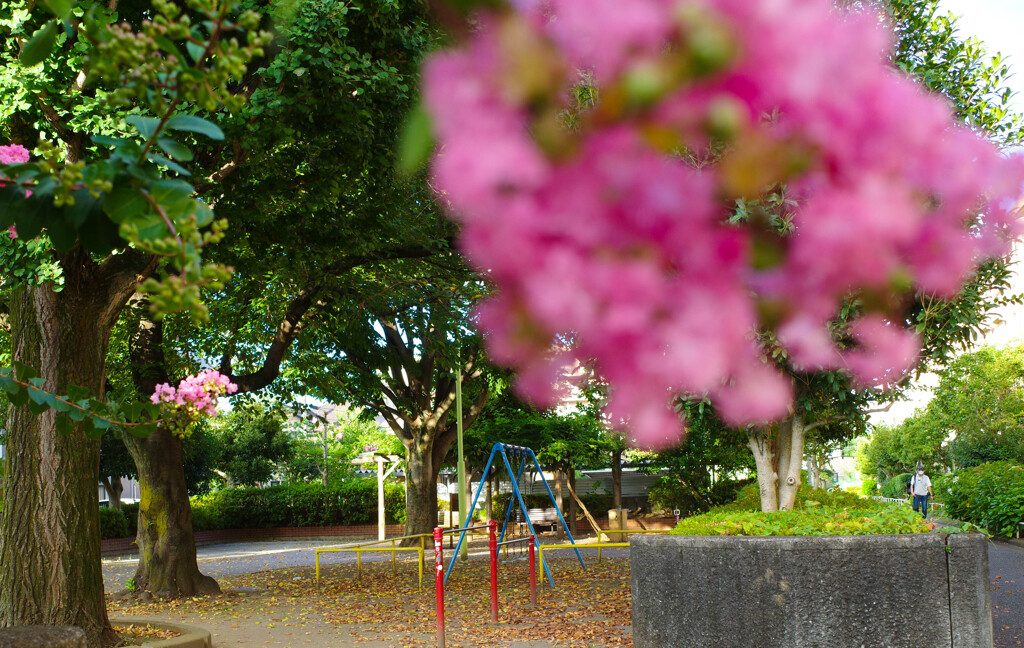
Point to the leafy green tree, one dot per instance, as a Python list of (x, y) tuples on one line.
[(107, 110), (306, 176), (253, 442)]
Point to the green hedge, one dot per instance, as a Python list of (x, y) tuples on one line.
[(869, 487), (897, 486), (131, 512), (990, 495), (353, 501), (113, 523)]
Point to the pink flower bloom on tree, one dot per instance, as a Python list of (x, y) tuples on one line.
[(195, 396), (604, 234), (13, 154)]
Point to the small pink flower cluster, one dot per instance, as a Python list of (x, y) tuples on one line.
[(612, 234), (195, 396), (12, 154)]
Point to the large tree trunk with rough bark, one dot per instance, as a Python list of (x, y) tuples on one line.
[(167, 547), (778, 454), (420, 489), (49, 535)]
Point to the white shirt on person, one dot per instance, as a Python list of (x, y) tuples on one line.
[(920, 484)]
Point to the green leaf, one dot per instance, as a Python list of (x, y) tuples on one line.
[(145, 125), (65, 425), (77, 414), (60, 405), (174, 195), (60, 8), (194, 50), (175, 149), (8, 385), (98, 234), (19, 398), (125, 202), (37, 408), (173, 166), (194, 124), (24, 372), (101, 424), (90, 429), (142, 431), (76, 393), (416, 141), (39, 46)]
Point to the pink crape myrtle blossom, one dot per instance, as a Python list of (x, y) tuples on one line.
[(13, 154), (606, 234), (194, 397)]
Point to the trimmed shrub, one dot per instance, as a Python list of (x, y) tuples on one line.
[(131, 513), (353, 501), (113, 523), (990, 495), (897, 486), (869, 487)]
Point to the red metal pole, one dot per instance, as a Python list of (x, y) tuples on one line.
[(492, 531), (439, 574), (533, 571)]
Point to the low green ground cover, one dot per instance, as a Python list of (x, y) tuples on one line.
[(817, 513)]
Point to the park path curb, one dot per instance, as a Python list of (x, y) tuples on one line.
[(190, 636)]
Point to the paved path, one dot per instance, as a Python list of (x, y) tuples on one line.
[(1006, 570)]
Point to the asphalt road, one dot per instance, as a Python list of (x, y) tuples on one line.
[(1006, 571)]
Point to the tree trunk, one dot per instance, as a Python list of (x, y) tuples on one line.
[(49, 535), (780, 445), (420, 490), (617, 479), (791, 458), (113, 488), (572, 501), (167, 547)]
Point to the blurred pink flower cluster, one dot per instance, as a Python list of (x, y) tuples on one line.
[(615, 231), (13, 154), (195, 396)]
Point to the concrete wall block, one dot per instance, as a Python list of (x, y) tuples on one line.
[(833, 592), (970, 598)]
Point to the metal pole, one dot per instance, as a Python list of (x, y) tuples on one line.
[(463, 510), (439, 578), (492, 528), (380, 498), (533, 571)]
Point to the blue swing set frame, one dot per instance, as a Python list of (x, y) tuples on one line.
[(524, 454)]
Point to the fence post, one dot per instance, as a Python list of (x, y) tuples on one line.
[(533, 571), (492, 543), (439, 577)]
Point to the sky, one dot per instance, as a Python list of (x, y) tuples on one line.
[(1000, 25)]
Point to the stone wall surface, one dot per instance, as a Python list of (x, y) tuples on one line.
[(899, 591)]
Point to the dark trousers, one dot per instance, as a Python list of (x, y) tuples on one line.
[(921, 500)]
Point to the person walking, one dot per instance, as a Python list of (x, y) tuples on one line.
[(921, 488)]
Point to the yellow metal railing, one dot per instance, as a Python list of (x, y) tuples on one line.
[(608, 532), (368, 547)]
